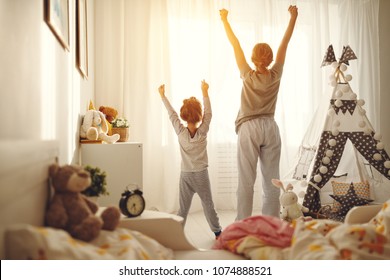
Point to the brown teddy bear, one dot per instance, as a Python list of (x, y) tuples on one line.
[(72, 211), (111, 114)]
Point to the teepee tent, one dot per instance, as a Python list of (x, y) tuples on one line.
[(346, 145)]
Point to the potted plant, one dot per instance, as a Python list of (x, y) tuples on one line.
[(121, 127), (98, 185)]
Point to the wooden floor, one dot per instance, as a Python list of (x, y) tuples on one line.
[(198, 231)]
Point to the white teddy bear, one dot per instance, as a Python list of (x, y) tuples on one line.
[(94, 127), (291, 209)]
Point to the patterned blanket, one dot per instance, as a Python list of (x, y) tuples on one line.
[(264, 237)]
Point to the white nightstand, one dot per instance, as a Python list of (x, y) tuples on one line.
[(122, 163)]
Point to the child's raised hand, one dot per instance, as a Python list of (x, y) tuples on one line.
[(223, 13), (205, 86), (161, 90)]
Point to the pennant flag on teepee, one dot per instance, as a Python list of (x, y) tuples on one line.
[(329, 57), (346, 105), (347, 55)]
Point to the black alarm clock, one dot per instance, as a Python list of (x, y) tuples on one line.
[(132, 203)]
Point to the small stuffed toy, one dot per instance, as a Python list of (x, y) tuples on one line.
[(94, 127), (110, 114), (72, 211), (291, 209)]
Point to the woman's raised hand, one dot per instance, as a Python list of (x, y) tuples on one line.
[(293, 10), (223, 13)]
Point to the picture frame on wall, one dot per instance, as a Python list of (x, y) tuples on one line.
[(56, 13), (82, 37)]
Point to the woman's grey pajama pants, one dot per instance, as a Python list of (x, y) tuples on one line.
[(258, 139)]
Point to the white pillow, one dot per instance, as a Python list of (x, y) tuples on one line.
[(23, 241)]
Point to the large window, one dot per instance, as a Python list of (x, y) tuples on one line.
[(180, 42)]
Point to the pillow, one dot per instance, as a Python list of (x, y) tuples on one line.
[(23, 241), (326, 190), (349, 200), (362, 189)]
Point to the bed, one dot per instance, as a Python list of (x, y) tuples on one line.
[(364, 235), (24, 192)]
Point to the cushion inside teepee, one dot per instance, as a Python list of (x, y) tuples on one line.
[(325, 192), (349, 200), (362, 189)]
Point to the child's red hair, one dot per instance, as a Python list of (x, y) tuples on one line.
[(191, 111)]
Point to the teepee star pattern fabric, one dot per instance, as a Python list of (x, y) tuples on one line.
[(351, 124), (347, 105), (329, 57), (349, 200), (365, 144), (347, 55)]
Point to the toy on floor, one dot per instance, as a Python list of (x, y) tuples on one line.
[(291, 209)]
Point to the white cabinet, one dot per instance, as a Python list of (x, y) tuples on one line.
[(122, 163)]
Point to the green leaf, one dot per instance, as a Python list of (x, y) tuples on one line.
[(98, 185)]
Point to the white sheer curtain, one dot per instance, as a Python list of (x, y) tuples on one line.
[(141, 44)]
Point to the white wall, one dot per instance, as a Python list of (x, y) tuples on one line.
[(42, 92)]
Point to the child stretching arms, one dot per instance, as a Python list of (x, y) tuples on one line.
[(194, 176)]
